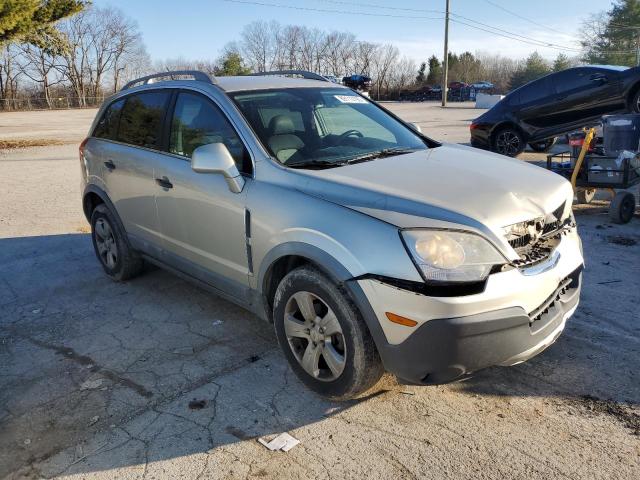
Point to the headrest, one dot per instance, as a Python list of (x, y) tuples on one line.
[(281, 125)]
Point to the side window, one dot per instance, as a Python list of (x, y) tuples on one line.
[(534, 91), (107, 127), (196, 122), (569, 80), (141, 119)]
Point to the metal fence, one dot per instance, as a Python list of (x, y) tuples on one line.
[(53, 103)]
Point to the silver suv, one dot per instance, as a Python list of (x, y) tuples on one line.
[(369, 246)]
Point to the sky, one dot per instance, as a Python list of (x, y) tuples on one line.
[(195, 29)]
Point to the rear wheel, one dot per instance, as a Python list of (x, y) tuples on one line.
[(544, 145), (622, 207), (324, 336), (509, 142), (118, 260)]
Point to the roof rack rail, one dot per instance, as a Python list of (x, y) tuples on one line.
[(302, 73), (197, 76)]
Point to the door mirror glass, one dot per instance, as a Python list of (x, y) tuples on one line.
[(215, 158)]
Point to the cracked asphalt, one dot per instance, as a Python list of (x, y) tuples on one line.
[(155, 378)]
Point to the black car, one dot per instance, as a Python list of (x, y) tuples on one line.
[(358, 82), (556, 104)]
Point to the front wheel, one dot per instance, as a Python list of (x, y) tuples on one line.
[(323, 336), (635, 102), (509, 142)]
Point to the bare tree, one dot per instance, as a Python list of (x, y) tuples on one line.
[(383, 63), (9, 74), (258, 44), (99, 44), (37, 60)]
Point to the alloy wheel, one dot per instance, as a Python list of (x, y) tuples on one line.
[(315, 336), (106, 243), (508, 143)]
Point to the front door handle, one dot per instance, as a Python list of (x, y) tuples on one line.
[(110, 165), (164, 182)]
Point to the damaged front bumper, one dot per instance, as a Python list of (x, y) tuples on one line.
[(518, 315)]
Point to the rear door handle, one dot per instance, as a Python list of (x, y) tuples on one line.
[(110, 165), (164, 182)]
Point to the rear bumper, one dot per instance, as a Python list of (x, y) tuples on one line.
[(444, 350), (481, 136)]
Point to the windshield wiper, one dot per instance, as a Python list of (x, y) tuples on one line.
[(385, 152), (315, 164)]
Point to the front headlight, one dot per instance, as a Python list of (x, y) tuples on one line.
[(451, 256)]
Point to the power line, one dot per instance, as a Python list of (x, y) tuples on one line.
[(524, 38), (546, 27), (384, 7), (502, 32), (483, 26), (326, 10)]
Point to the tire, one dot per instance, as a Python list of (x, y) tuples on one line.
[(622, 207), (343, 364), (586, 195), (508, 141), (543, 146), (635, 102), (118, 259)]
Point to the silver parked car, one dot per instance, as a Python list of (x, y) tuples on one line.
[(369, 246)]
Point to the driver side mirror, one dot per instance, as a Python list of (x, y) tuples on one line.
[(215, 158), (415, 127)]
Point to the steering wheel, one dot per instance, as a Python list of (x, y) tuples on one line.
[(350, 133)]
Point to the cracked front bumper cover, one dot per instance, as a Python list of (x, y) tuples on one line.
[(444, 350)]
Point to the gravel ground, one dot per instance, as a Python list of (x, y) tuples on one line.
[(98, 379)]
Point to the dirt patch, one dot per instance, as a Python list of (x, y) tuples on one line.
[(622, 413), (10, 144), (624, 241)]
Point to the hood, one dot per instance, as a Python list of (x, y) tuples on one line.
[(450, 183)]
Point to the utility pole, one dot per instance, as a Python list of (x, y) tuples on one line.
[(445, 63)]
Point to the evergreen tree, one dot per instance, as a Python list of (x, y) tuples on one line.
[(232, 64), (435, 71), (534, 67), (614, 37), (561, 62), (421, 77), (25, 18)]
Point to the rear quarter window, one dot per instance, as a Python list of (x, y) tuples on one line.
[(141, 119), (107, 126)]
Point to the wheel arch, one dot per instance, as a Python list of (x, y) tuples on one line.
[(94, 196), (285, 257), (288, 256), (632, 92), (507, 124)]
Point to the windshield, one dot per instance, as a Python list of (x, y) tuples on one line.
[(324, 128)]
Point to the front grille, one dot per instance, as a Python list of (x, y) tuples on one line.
[(567, 285), (536, 254), (537, 246)]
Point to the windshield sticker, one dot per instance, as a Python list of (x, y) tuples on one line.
[(350, 99)]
